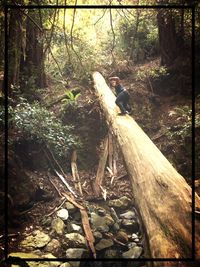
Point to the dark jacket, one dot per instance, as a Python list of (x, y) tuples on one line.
[(118, 89)]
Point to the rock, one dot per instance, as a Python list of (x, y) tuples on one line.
[(104, 243), (103, 229), (38, 239), (114, 215), (133, 253), (75, 240), (111, 254), (97, 236), (25, 255), (58, 225), (101, 212), (116, 227), (74, 263), (70, 207), (76, 228), (122, 237), (54, 245), (121, 203), (52, 263), (101, 223), (131, 245), (63, 214), (137, 240), (66, 264), (76, 253), (134, 236), (128, 215), (130, 225)]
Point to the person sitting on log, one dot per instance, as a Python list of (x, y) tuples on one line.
[(122, 100)]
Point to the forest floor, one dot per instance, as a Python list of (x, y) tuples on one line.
[(39, 197)]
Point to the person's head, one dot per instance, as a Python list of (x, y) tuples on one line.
[(114, 81)]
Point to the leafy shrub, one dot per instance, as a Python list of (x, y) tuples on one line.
[(153, 72), (184, 127), (71, 98), (38, 124)]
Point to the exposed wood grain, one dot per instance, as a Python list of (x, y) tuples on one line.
[(161, 194)]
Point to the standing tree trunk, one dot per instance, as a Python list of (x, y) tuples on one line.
[(167, 37), (32, 65), (14, 48), (161, 194)]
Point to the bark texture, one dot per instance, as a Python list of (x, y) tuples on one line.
[(161, 194)]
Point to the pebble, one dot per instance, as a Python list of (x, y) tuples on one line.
[(75, 240), (76, 253), (58, 225), (63, 214), (76, 228), (128, 215), (104, 243), (133, 253)]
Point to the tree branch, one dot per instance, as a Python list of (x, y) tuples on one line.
[(65, 36), (52, 30), (101, 17), (111, 24), (71, 35)]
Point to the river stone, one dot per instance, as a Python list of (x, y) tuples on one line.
[(58, 225), (116, 227), (101, 212), (131, 245), (133, 253), (75, 240), (25, 255), (38, 239), (134, 236), (70, 207), (121, 203), (122, 237), (103, 229), (76, 253), (63, 214), (76, 228), (52, 263), (128, 215), (97, 235), (111, 254), (53, 245), (104, 243), (130, 225), (66, 264), (101, 223)]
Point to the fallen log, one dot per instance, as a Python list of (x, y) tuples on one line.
[(162, 196)]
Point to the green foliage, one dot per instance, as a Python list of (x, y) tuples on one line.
[(71, 98), (154, 72), (37, 123), (184, 123)]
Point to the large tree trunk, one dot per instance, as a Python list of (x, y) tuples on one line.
[(167, 37), (32, 64), (161, 194), (14, 48)]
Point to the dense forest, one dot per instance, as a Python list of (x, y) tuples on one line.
[(79, 180)]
